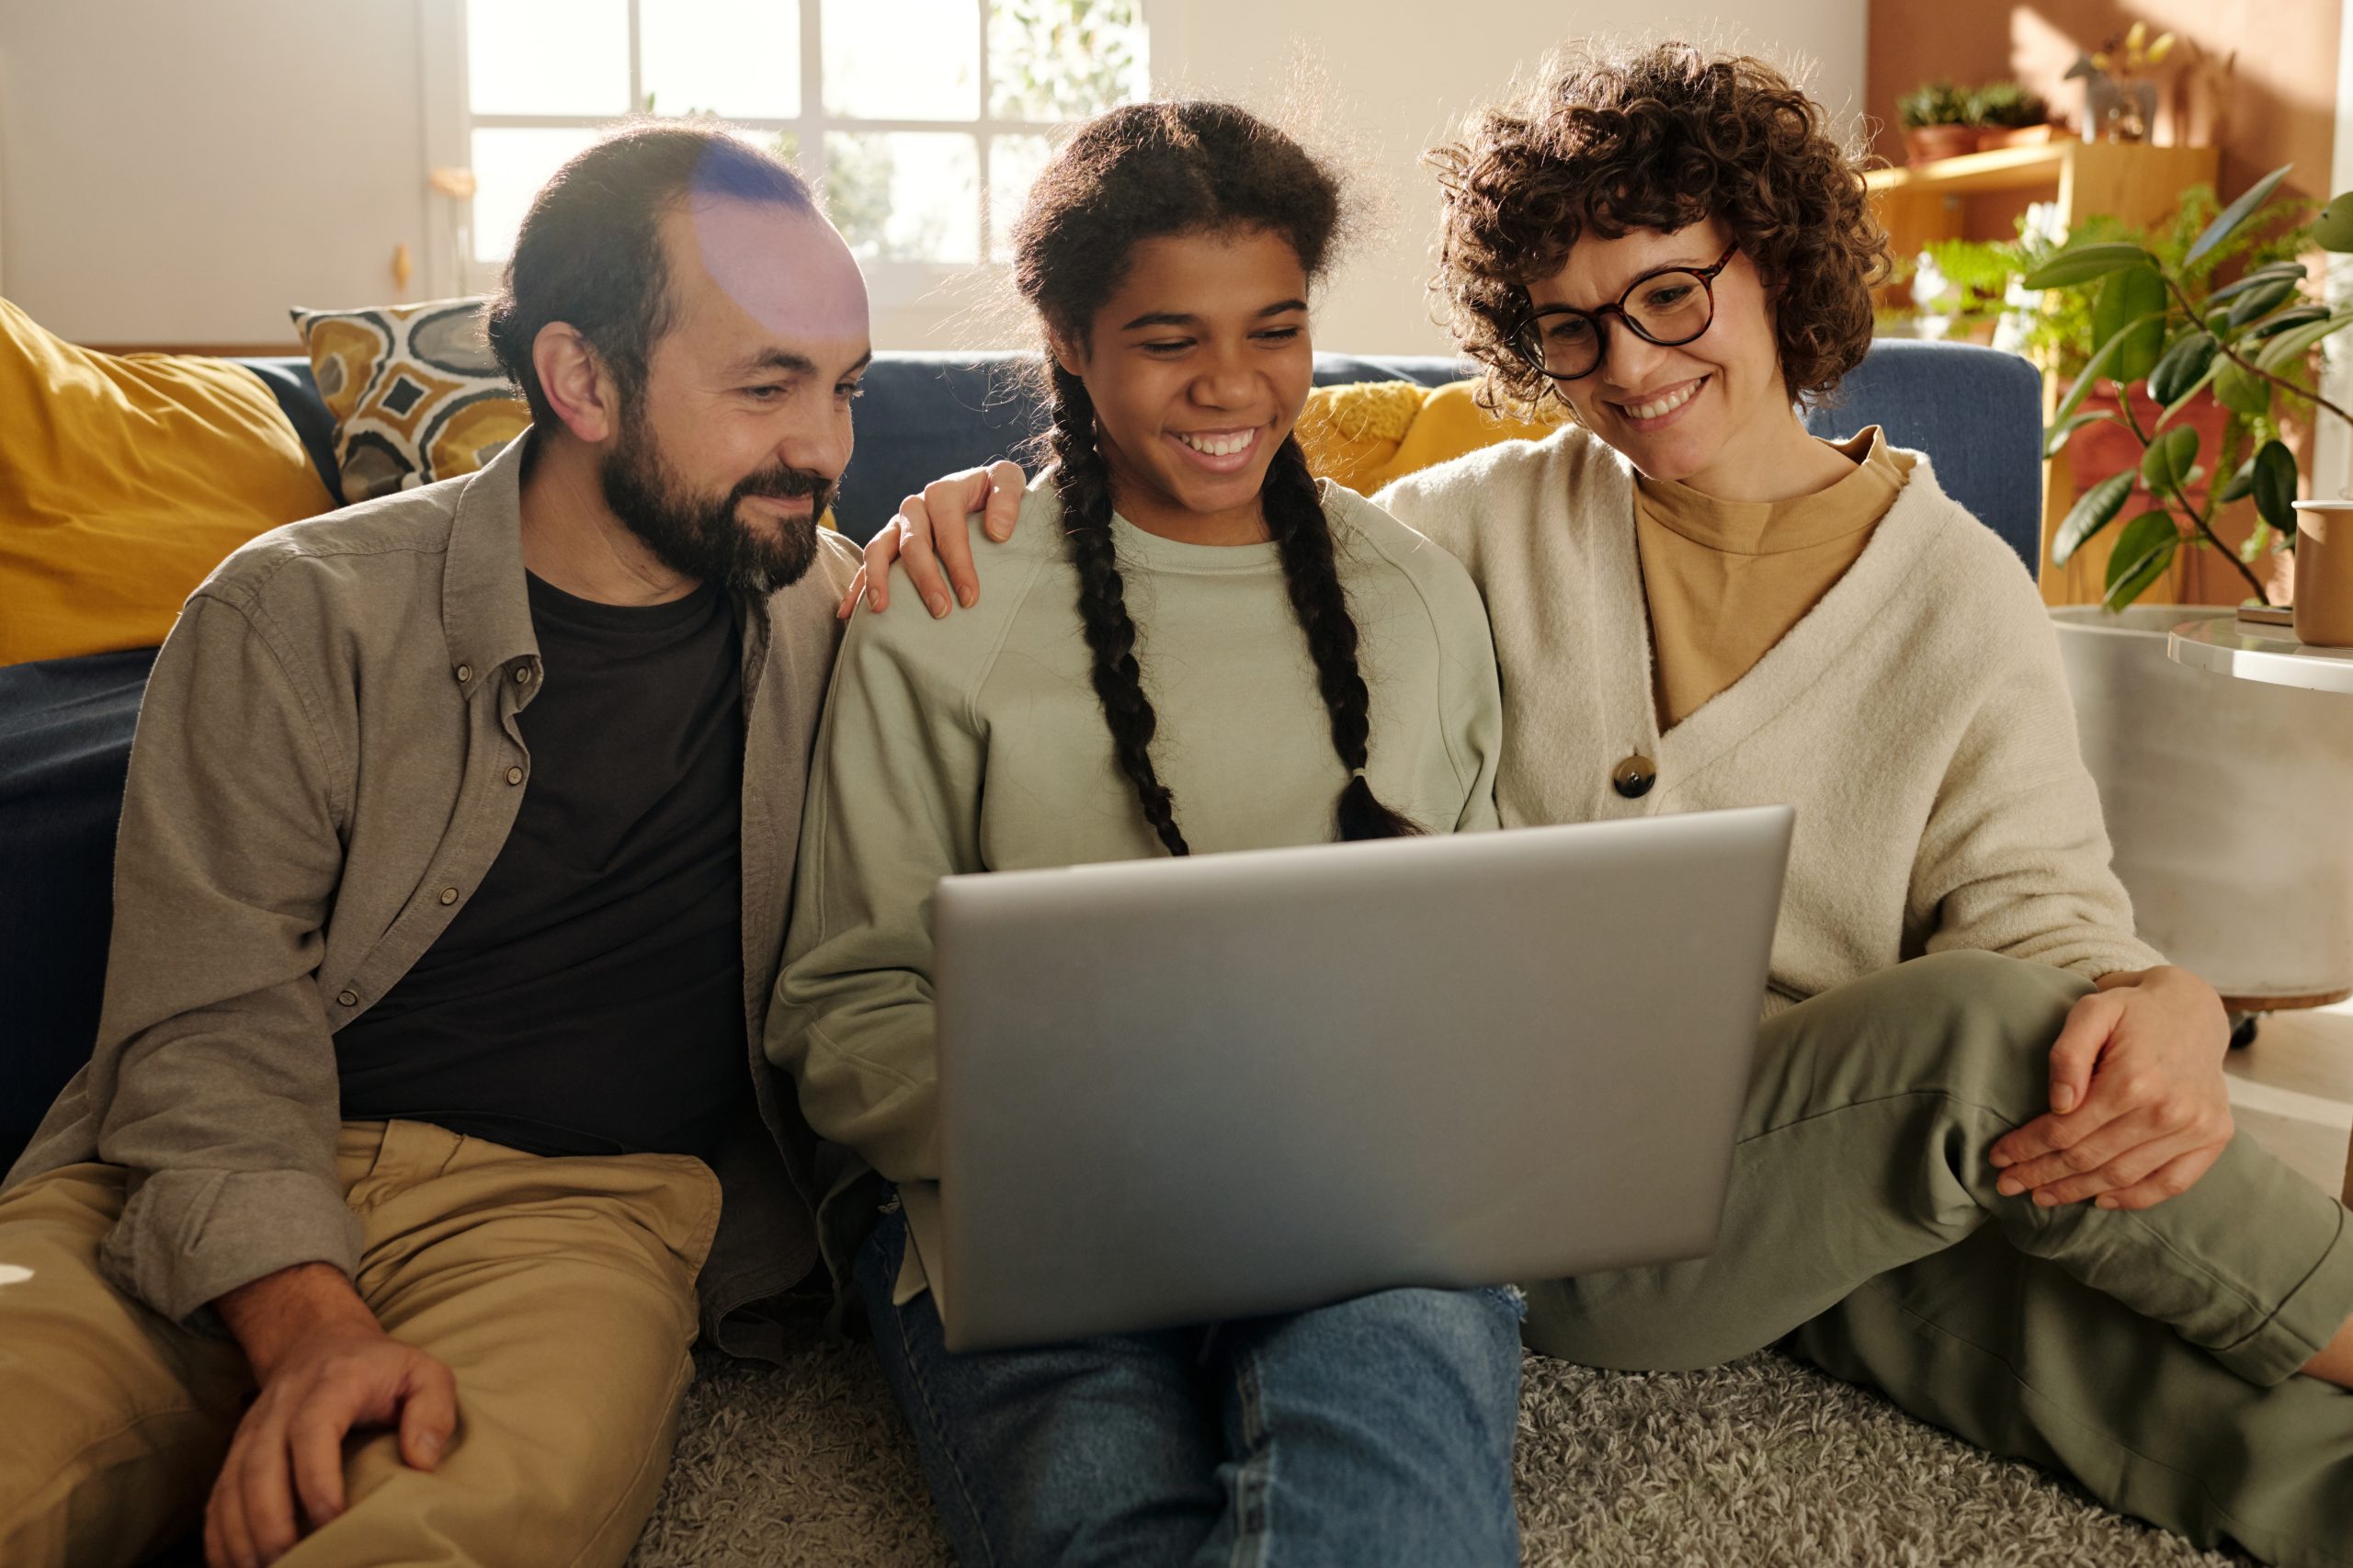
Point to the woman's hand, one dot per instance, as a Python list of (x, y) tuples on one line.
[(2139, 1109), (937, 558)]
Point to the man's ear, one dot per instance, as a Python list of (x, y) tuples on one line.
[(1067, 353), (575, 382)]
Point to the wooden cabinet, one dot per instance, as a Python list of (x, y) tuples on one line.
[(2132, 182)]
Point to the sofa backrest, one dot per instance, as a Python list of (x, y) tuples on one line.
[(1977, 413)]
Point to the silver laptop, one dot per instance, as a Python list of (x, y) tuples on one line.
[(1180, 1092)]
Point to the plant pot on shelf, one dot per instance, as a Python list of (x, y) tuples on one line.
[(1927, 143), (1993, 137), (2222, 797)]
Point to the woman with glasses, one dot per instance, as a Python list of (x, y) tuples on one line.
[(1987, 1164)]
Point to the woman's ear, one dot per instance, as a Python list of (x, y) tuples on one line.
[(1067, 353)]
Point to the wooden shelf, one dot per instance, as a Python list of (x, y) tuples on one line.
[(2004, 168), (2130, 181)]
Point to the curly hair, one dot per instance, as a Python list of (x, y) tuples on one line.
[(1656, 138), (1137, 173)]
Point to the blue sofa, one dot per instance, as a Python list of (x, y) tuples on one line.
[(65, 725)]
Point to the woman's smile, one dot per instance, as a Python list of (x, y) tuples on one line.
[(1658, 410)]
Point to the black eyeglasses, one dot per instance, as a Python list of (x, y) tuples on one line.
[(1670, 307)]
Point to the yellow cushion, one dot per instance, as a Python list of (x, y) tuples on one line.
[(416, 393), (1365, 434), (123, 480)]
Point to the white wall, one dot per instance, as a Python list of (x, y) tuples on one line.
[(1396, 78), (185, 170), (181, 172)]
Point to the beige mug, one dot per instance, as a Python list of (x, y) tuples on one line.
[(2325, 574)]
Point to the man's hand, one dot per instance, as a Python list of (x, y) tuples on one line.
[(325, 1367), (937, 557), (2139, 1109)]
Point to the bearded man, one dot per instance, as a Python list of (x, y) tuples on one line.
[(450, 888)]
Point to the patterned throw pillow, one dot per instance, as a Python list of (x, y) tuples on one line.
[(416, 395)]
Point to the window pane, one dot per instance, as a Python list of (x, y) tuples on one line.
[(1014, 164), (1064, 59), (547, 56), (738, 58), (509, 168), (908, 59), (905, 196)]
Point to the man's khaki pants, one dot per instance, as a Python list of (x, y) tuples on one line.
[(2151, 1355), (559, 1291)]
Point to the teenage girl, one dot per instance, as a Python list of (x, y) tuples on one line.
[(1988, 1164), (1192, 646)]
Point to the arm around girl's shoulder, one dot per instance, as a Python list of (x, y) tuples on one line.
[(1470, 691)]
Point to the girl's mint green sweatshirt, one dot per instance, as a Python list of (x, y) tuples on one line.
[(977, 744)]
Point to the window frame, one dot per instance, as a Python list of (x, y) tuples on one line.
[(914, 295)]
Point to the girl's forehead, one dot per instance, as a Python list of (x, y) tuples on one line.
[(1212, 263)]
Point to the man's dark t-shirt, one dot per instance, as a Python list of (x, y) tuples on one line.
[(588, 999)]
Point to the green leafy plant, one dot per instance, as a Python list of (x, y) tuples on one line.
[(2159, 324), (1932, 103), (2006, 106), (2057, 328)]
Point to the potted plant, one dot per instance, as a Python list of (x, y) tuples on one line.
[(1934, 117), (2162, 335), (2219, 882), (2008, 115)]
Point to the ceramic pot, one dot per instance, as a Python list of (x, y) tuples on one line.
[(1992, 137), (2096, 452), (1927, 143), (2225, 805), (2325, 574)]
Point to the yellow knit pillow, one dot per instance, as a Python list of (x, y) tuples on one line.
[(123, 480), (1365, 434)]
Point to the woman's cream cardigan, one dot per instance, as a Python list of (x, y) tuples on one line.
[(1917, 718)]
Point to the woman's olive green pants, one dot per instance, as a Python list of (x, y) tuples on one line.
[(2152, 1356)]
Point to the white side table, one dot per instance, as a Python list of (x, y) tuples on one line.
[(2266, 653)]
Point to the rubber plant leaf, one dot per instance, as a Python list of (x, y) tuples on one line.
[(2142, 553), (2275, 485), (2333, 230), (2291, 346), (2081, 264), (2257, 303), (2096, 369), (2164, 467), (2242, 391), (2132, 306), (2237, 212), (2293, 271), (2183, 367), (2093, 511)]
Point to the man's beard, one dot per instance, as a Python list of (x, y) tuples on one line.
[(701, 536)]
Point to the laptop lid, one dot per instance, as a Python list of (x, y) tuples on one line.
[(1175, 1092)]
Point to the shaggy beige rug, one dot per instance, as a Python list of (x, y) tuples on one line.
[(1765, 1461)]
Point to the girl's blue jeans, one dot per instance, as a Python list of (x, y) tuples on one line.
[(1376, 1431)]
